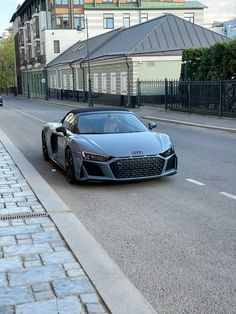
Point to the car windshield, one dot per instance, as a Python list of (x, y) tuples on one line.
[(109, 122)]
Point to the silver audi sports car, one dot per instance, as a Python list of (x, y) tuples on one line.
[(108, 144)]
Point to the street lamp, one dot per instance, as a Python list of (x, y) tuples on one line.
[(90, 102)]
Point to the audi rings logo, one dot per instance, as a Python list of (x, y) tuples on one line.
[(137, 152)]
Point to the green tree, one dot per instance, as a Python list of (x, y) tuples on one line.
[(7, 63), (217, 62)]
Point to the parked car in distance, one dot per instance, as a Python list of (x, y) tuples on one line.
[(107, 144), (1, 101)]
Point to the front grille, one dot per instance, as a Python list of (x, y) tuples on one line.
[(171, 164), (137, 167)]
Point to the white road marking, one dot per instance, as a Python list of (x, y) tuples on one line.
[(229, 195), (54, 170), (29, 115), (195, 182)]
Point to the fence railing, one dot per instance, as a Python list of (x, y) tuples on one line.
[(207, 97)]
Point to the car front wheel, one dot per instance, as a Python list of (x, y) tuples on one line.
[(70, 169), (44, 147)]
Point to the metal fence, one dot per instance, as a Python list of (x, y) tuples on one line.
[(207, 97)]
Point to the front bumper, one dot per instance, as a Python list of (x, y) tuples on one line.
[(128, 168)]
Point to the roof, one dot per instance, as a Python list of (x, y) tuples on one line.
[(150, 5), (165, 34)]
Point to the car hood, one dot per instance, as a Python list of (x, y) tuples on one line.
[(125, 144)]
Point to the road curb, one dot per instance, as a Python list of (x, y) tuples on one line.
[(118, 293), (207, 126)]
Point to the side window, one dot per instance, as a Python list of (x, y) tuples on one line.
[(69, 122)]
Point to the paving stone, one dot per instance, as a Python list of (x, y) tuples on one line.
[(20, 230), (48, 229), (45, 307), (70, 305), (95, 308), (89, 298), (38, 220), (13, 296), (39, 287), (59, 246), (46, 237), (18, 185), (75, 265), (3, 280), (44, 295), (15, 210), (26, 249), (75, 272), (32, 264), (10, 263), (36, 274), (4, 223), (65, 287), (28, 193), (17, 222), (24, 242), (57, 258), (8, 240), (6, 309), (31, 257), (22, 236)]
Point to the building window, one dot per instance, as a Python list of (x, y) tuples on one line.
[(22, 56), (95, 82), (123, 82), (28, 33), (107, 0), (78, 2), (35, 26), (189, 17), (78, 20), (104, 83), (29, 54), (21, 36), (61, 2), (108, 20), (37, 51), (131, 0), (60, 21), (113, 83), (143, 17), (126, 20), (56, 44)]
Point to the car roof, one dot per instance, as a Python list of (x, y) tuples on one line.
[(97, 109)]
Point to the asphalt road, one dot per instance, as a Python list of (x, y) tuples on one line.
[(174, 237)]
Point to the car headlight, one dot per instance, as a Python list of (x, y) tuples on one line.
[(170, 151), (92, 156)]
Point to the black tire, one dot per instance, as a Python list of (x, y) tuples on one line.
[(44, 148), (70, 169)]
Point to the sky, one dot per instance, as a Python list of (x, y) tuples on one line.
[(217, 11)]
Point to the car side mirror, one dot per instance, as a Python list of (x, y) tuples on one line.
[(152, 125), (61, 129)]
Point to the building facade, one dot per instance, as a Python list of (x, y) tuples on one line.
[(43, 29), (120, 59)]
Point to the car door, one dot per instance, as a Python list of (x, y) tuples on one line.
[(63, 139)]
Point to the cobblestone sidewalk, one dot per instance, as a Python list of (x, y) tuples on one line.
[(38, 272)]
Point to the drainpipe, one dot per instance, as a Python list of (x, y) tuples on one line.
[(45, 83), (128, 81), (73, 79), (84, 92)]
